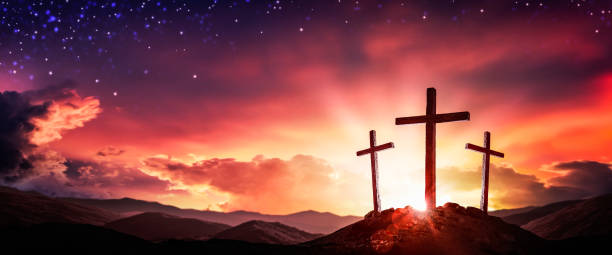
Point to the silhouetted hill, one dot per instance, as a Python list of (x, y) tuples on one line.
[(450, 229), (266, 232), (20, 208), (537, 212), (309, 221), (159, 226), (588, 218), (507, 212), (124, 206)]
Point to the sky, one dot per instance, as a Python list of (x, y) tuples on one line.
[(261, 105)]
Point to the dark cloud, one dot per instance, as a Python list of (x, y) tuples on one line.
[(509, 188), (60, 91), (101, 177), (591, 176), (110, 151), (19, 113), (542, 80), (93, 179), (16, 114)]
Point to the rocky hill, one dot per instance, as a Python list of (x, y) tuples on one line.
[(450, 229)]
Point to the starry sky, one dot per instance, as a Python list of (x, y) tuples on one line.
[(260, 105)]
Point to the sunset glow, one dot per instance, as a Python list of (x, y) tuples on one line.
[(264, 112)]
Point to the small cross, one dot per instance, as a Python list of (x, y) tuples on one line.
[(374, 162), (430, 120), (486, 151)]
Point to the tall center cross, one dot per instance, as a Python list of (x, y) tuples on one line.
[(431, 119), (374, 162), (486, 154)]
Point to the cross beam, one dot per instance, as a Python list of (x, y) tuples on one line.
[(374, 164), (486, 152), (430, 119)]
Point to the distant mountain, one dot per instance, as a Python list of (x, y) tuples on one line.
[(160, 226), (537, 212), (450, 229), (507, 212), (588, 218), (21, 208), (266, 232), (309, 221)]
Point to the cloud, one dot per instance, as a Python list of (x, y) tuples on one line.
[(110, 151), (106, 179), (16, 126), (266, 185), (591, 176), (509, 188), (67, 110), (35, 117), (96, 179)]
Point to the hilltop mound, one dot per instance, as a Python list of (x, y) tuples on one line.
[(450, 229)]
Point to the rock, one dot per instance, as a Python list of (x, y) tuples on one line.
[(371, 214), (452, 205), (473, 211)]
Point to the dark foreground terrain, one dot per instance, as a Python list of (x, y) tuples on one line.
[(31, 223), (449, 230)]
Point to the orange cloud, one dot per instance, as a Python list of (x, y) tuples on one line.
[(68, 112), (265, 185)]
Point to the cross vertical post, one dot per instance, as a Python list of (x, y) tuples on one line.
[(430, 151), (374, 165), (486, 158), (431, 118)]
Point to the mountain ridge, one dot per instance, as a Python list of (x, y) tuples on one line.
[(587, 218), (537, 212), (23, 208), (154, 226), (310, 221), (256, 231)]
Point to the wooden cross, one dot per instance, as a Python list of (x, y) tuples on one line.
[(486, 151), (430, 120), (374, 162)]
